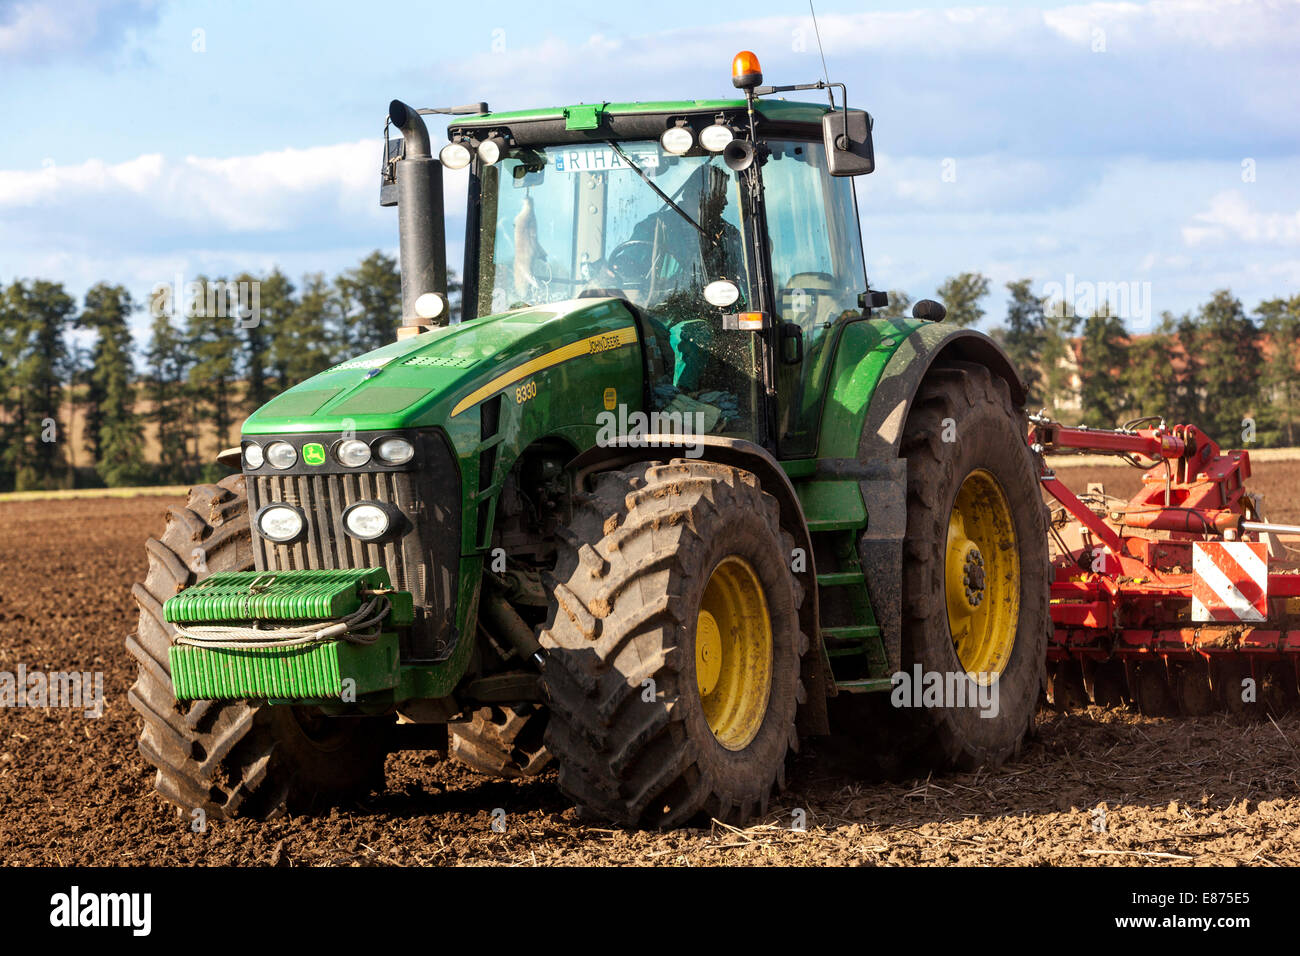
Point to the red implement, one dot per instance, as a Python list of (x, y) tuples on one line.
[(1176, 597)]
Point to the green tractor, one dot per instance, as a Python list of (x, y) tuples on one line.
[(667, 498)]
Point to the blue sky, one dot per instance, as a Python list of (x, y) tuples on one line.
[(1112, 142)]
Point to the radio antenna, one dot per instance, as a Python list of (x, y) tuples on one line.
[(820, 51)]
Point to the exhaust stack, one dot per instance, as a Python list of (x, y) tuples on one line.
[(423, 253)]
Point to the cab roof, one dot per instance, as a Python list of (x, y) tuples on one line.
[(592, 116)]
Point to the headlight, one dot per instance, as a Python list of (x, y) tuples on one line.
[(352, 453), (280, 523), (677, 140), (281, 454), (253, 457), (490, 150), (715, 138), (366, 522), (395, 451), (455, 156)]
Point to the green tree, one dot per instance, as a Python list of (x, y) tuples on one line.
[(168, 362), (1151, 379), (1102, 364), (372, 297), (37, 365), (256, 331), (213, 335), (1057, 358), (961, 295), (306, 336), (113, 430), (455, 296), (1226, 367), (278, 301), (1023, 336), (1280, 320), (900, 305), (10, 432)]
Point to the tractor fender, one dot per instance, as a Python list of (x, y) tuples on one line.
[(812, 716), (880, 549)]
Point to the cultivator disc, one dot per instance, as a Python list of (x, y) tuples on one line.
[(1182, 600)]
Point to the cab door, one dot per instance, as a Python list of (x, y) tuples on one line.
[(817, 274)]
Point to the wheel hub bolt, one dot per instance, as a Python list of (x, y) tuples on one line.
[(973, 577)]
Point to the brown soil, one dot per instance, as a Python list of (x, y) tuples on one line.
[(1277, 481), (73, 790)]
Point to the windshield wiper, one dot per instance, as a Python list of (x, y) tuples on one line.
[(662, 195)]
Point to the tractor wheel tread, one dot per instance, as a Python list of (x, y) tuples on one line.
[(227, 757), (620, 757), (964, 402)]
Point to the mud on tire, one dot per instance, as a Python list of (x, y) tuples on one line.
[(232, 758), (630, 576), (502, 741)]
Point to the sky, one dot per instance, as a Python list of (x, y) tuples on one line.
[(1153, 147)]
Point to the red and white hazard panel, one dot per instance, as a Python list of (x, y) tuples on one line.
[(1229, 581)]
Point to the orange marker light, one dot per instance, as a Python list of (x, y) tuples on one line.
[(745, 71)]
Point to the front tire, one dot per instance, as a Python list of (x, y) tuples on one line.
[(673, 643), (233, 758)]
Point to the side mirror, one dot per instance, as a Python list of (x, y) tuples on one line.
[(791, 343), (873, 299), (847, 137)]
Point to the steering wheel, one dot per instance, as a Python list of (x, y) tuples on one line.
[(631, 262)]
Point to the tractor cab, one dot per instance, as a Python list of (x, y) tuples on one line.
[(730, 226)]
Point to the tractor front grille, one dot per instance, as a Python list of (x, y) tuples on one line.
[(423, 561)]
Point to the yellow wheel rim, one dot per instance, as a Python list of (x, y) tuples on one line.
[(982, 577), (733, 653)]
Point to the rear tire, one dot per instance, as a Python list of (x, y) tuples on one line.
[(964, 433), (233, 758), (652, 724)]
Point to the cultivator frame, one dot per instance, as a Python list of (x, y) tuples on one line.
[(1181, 597)]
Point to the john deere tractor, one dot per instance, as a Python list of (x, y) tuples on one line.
[(668, 496)]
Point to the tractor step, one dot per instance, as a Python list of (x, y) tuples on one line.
[(851, 632), (839, 579), (869, 685)]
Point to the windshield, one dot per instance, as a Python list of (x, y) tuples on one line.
[(629, 219), (592, 218)]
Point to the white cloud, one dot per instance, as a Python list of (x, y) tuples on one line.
[(990, 182), (41, 29), (1110, 166), (1231, 216), (267, 192), (1174, 77), (280, 191)]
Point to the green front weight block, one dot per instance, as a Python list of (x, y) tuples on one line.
[(331, 670), (326, 670), (304, 595)]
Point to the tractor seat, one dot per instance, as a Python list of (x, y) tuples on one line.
[(811, 299)]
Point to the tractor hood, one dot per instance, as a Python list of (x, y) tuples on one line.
[(434, 377)]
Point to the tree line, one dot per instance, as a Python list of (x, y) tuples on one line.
[(1235, 374), (144, 412), (156, 414)]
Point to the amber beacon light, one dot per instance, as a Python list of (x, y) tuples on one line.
[(745, 71)]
